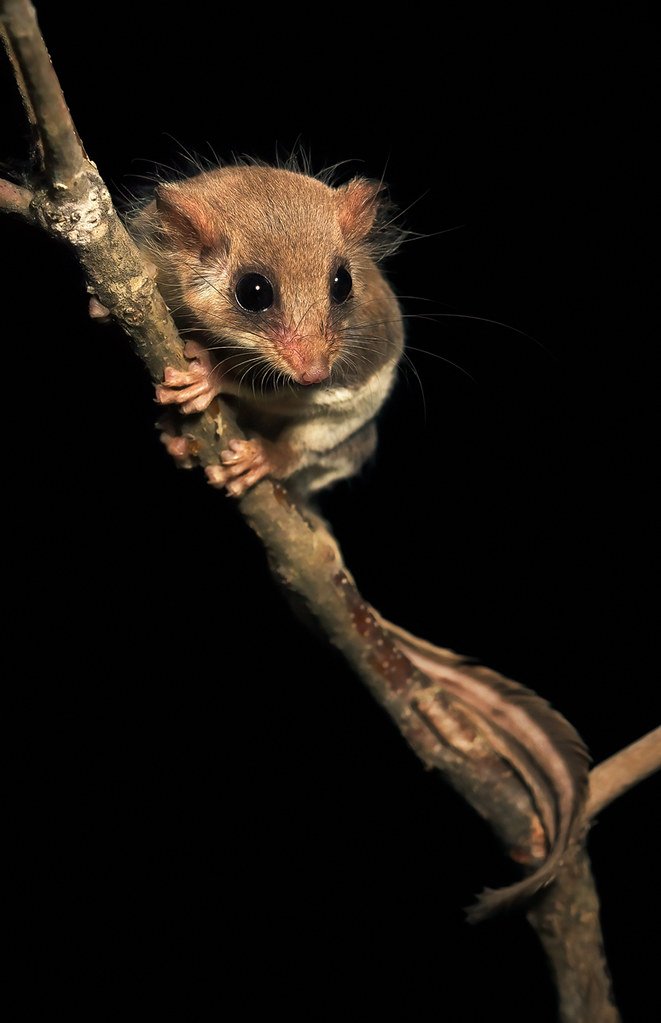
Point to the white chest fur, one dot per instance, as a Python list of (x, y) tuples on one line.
[(321, 418)]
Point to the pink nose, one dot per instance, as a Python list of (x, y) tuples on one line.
[(314, 374)]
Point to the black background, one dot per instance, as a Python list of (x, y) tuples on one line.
[(215, 807)]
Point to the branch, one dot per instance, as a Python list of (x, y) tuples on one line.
[(618, 774), (566, 919), (74, 205), (15, 199), (25, 97), (63, 154)]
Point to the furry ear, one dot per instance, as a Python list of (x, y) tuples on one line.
[(189, 221), (357, 207)]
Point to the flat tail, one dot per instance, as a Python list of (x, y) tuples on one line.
[(541, 746)]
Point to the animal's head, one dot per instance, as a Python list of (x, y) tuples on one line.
[(272, 261)]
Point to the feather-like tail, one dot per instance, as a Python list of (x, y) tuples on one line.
[(542, 747)]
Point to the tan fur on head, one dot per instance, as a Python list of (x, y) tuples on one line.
[(188, 219), (207, 231), (272, 277), (358, 205)]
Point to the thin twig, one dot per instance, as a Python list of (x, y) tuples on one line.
[(17, 200), (615, 776), (25, 98), (63, 154)]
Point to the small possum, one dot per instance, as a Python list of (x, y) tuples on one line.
[(272, 275)]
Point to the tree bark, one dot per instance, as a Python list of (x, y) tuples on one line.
[(566, 919)]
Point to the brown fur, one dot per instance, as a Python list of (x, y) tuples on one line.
[(203, 233)]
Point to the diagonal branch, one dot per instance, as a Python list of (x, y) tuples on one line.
[(48, 113), (16, 199), (25, 96), (615, 776)]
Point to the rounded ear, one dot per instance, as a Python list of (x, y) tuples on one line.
[(189, 220), (357, 207)]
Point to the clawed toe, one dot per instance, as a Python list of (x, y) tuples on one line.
[(182, 378), (216, 475), (179, 448), (244, 463), (194, 388)]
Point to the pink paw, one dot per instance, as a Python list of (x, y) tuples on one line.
[(179, 448), (192, 390), (97, 311), (244, 463)]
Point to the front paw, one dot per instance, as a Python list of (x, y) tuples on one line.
[(192, 390), (244, 463), (97, 311), (179, 447)]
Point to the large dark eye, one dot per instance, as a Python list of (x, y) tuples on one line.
[(254, 293), (340, 285)]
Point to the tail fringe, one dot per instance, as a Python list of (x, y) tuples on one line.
[(493, 901), (566, 742)]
